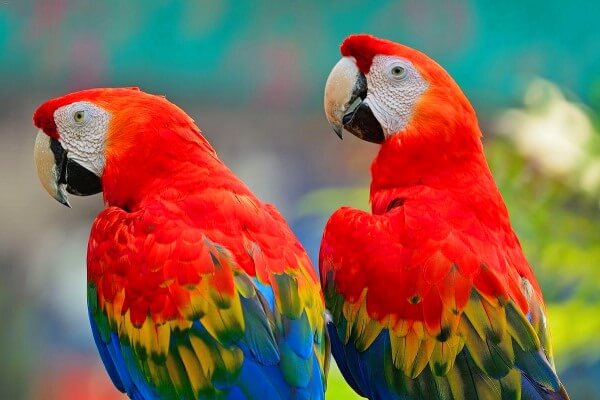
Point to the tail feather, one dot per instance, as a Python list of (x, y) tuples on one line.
[(534, 391)]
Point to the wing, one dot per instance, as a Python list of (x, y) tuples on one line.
[(431, 304), (177, 314)]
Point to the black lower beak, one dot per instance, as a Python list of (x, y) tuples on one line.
[(362, 123), (359, 120), (79, 180)]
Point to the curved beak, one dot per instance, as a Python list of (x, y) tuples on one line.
[(50, 160), (58, 174), (345, 108)]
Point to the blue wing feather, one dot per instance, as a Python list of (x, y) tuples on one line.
[(299, 335), (105, 356), (339, 354), (113, 355), (267, 292), (258, 335)]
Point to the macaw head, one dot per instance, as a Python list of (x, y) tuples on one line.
[(84, 133), (380, 89)]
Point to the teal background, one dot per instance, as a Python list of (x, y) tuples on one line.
[(229, 51)]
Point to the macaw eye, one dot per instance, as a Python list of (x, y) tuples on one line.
[(79, 116), (397, 72)]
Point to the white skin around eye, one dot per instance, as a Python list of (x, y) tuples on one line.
[(392, 98), (82, 128)]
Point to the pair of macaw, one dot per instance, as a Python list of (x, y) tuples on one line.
[(198, 290)]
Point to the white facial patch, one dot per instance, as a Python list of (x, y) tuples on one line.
[(394, 86), (82, 129)]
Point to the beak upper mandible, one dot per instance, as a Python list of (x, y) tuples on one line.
[(51, 162), (343, 91)]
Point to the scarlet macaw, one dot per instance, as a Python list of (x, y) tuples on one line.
[(430, 293), (196, 288)]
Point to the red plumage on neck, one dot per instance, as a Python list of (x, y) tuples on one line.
[(436, 149), (163, 159), (164, 152)]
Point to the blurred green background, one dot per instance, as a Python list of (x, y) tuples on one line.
[(251, 73)]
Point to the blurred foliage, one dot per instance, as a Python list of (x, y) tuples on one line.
[(556, 217), (558, 229), (337, 388)]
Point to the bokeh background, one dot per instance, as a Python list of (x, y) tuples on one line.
[(251, 73)]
